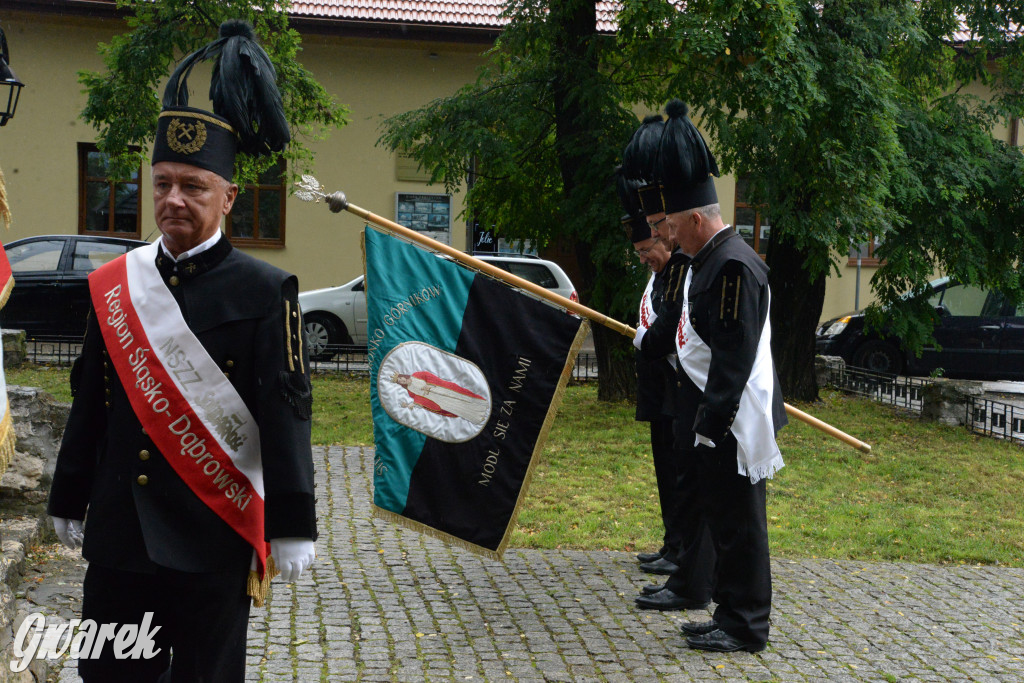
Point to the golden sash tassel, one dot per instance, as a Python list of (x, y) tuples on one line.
[(258, 590), (7, 440)]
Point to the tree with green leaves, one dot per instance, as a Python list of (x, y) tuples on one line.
[(544, 125), (850, 120), (162, 32)]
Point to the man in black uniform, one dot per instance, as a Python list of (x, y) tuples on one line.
[(691, 568), (180, 519), (733, 405), (654, 389)]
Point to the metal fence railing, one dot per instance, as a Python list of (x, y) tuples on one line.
[(995, 418), (344, 359), (984, 415), (53, 350), (902, 392), (353, 360)]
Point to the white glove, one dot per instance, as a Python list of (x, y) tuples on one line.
[(703, 441), (69, 531), (638, 340), (292, 556)]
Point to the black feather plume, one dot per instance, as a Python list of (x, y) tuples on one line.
[(684, 158), (237, 27), (243, 88), (639, 159), (627, 191)]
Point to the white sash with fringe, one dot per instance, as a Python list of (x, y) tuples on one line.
[(757, 454)]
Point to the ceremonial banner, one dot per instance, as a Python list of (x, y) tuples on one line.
[(466, 374), (6, 425)]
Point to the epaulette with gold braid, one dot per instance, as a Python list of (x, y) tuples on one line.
[(674, 286)]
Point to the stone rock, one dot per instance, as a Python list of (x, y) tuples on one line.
[(19, 535), (827, 366), (39, 421), (15, 352), (945, 400), (24, 472)]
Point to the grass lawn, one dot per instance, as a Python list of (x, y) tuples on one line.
[(926, 493)]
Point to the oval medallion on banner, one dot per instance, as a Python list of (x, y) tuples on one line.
[(434, 392)]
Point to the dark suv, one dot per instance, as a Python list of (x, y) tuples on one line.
[(51, 289), (979, 334)]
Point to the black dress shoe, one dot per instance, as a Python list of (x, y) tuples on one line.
[(644, 558), (660, 566), (698, 628), (720, 641), (652, 588), (667, 600)]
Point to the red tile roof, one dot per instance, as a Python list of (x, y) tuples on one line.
[(476, 13), (483, 15)]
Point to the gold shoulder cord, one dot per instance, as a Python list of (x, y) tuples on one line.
[(735, 303), (288, 334), (297, 313), (679, 281), (721, 305)]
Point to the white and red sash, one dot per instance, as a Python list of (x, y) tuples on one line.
[(647, 314), (757, 454), (182, 398)]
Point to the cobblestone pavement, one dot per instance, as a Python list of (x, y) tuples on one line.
[(386, 604)]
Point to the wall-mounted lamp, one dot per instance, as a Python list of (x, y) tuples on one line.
[(10, 86)]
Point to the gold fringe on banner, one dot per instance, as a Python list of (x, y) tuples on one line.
[(7, 439), (5, 209), (549, 419), (556, 401), (5, 293), (395, 518), (259, 590)]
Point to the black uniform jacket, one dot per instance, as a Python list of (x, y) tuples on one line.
[(658, 344), (727, 307), (140, 512), (654, 377)]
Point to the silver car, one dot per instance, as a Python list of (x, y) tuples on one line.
[(335, 317)]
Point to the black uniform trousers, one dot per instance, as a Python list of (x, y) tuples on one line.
[(202, 619), (735, 513), (665, 472), (695, 577)]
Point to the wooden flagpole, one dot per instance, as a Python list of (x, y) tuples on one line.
[(310, 190)]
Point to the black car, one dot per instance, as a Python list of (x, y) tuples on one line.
[(51, 290), (979, 334)]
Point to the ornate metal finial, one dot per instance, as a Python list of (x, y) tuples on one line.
[(310, 190)]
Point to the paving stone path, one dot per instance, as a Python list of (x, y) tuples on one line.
[(386, 604)]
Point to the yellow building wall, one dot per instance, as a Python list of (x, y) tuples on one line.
[(38, 147), (373, 78)]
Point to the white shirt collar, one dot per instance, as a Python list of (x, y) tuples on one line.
[(194, 250)]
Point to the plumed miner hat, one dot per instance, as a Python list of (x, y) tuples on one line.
[(247, 111), (634, 222), (640, 162), (686, 165)]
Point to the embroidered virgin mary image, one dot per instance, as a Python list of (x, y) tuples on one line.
[(434, 392), (430, 392)]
